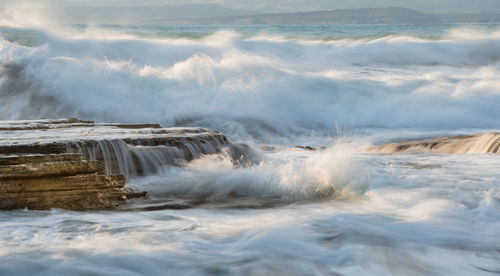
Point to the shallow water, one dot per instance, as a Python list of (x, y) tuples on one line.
[(337, 210)]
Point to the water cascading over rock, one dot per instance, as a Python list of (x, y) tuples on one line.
[(476, 143), (74, 164)]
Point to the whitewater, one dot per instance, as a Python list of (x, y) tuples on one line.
[(337, 210)]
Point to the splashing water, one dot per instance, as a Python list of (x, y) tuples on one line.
[(393, 81), (327, 207)]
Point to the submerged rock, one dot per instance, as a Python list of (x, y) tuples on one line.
[(81, 165), (306, 148)]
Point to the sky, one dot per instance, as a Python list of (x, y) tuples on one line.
[(300, 5)]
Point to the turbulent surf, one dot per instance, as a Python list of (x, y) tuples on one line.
[(342, 170)]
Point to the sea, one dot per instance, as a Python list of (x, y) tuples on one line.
[(339, 89)]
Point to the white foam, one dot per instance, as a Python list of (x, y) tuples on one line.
[(254, 87), (288, 176), (409, 215)]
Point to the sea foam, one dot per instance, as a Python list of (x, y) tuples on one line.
[(252, 86)]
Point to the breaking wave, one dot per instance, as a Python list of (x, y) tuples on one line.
[(256, 86), (406, 214)]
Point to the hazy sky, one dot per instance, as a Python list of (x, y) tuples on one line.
[(303, 5)]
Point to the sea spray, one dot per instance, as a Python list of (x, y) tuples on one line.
[(289, 210), (255, 87), (287, 176)]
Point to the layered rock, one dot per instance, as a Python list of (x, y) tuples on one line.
[(128, 149), (59, 181), (74, 164), (477, 143)]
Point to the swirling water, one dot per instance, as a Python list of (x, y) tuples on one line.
[(338, 210)]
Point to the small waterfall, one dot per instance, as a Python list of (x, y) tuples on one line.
[(133, 157), (127, 149), (486, 143), (477, 143)]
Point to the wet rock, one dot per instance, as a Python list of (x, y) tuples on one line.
[(38, 158), (35, 148), (37, 170), (82, 165), (476, 143), (306, 148), (68, 183), (128, 149), (42, 124)]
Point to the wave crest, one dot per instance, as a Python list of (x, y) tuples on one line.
[(226, 80)]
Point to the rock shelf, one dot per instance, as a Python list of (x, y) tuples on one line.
[(82, 165), (476, 143), (59, 181)]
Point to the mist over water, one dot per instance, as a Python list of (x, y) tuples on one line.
[(287, 210), (107, 74)]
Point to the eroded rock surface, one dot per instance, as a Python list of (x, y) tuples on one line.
[(59, 181), (127, 149), (81, 165)]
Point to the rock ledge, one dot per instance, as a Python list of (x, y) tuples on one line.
[(64, 181), (82, 165)]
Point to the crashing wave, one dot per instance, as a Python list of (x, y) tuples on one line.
[(258, 86)]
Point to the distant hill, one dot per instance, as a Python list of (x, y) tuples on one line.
[(218, 14), (425, 6), (457, 17), (346, 16), (74, 14), (481, 11)]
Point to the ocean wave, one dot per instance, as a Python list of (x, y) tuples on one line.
[(256, 86)]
